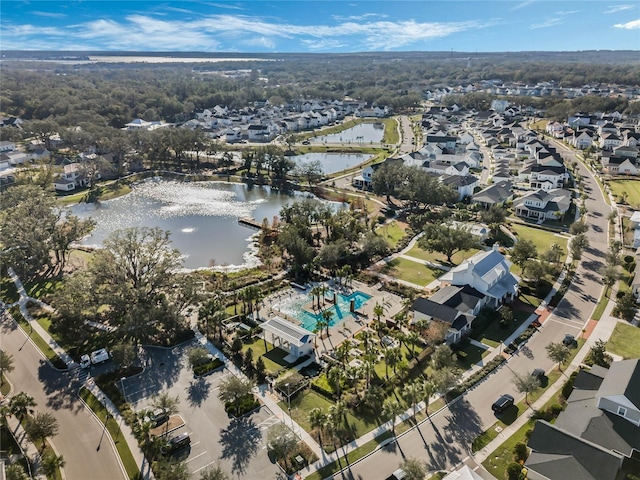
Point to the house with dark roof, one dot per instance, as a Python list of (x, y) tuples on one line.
[(543, 205), (463, 185), (455, 306), (597, 436), (496, 194)]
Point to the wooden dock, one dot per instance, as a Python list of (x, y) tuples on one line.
[(250, 222)]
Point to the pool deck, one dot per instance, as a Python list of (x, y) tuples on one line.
[(347, 328)]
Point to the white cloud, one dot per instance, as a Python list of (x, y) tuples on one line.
[(518, 6), (619, 8), (49, 14), (633, 25), (549, 22), (568, 12), (364, 16), (225, 32)]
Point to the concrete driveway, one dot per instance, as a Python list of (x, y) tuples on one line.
[(237, 445)]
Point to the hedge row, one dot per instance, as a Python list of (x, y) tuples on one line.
[(208, 367), (476, 377)]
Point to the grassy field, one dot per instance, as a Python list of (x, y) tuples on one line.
[(413, 272), (392, 232), (105, 192), (37, 339), (625, 341), (494, 334), (391, 136), (630, 187), (440, 258), (541, 239), (273, 357)]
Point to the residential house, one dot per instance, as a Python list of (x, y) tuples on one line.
[(488, 273), (547, 178), (73, 177), (463, 185), (496, 194), (456, 306), (609, 141), (619, 165), (543, 205), (6, 146), (626, 151), (597, 436), (581, 139)]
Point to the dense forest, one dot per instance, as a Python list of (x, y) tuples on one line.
[(108, 95)]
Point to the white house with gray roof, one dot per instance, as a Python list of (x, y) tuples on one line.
[(488, 273)]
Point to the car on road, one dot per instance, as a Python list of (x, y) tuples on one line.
[(538, 373), (96, 357), (399, 474), (176, 443), (504, 402), (568, 339)]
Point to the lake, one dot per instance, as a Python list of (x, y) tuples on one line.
[(362, 134), (201, 216), (332, 162)]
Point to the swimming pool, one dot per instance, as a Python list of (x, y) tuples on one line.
[(294, 308)]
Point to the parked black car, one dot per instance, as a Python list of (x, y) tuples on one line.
[(504, 402)]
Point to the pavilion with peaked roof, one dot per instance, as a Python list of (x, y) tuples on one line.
[(290, 337)]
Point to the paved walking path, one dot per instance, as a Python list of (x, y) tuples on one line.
[(127, 434)]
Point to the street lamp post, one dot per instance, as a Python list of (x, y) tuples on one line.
[(124, 393), (104, 427), (288, 385)]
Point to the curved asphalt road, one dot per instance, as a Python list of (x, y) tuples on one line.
[(443, 442), (57, 393)]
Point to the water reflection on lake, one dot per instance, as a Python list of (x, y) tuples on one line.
[(362, 134), (332, 162), (201, 216)]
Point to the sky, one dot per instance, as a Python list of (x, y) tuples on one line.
[(327, 26)]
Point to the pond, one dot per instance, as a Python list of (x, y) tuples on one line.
[(332, 162), (362, 134), (201, 216)]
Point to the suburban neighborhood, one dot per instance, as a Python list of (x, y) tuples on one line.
[(323, 288)]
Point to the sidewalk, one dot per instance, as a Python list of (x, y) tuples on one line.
[(602, 331), (89, 383)]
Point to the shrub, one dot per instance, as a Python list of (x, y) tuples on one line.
[(246, 405), (520, 452), (514, 471), (206, 368)]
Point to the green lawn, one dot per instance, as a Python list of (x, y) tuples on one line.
[(632, 189), (392, 232), (8, 291), (440, 258), (625, 341), (469, 356), (410, 271), (273, 356), (494, 334), (37, 339), (541, 239), (391, 136)]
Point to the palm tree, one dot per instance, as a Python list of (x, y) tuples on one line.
[(338, 411), (21, 405), (374, 396), (392, 357), (334, 377), (327, 315), (391, 409), (317, 420), (412, 339), (411, 393), (315, 292), (378, 311), (428, 389), (320, 324), (342, 352), (168, 405), (6, 365)]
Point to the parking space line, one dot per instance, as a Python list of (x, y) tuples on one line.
[(202, 468), (194, 444), (199, 455)]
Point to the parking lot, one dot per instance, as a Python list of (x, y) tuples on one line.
[(237, 445)]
